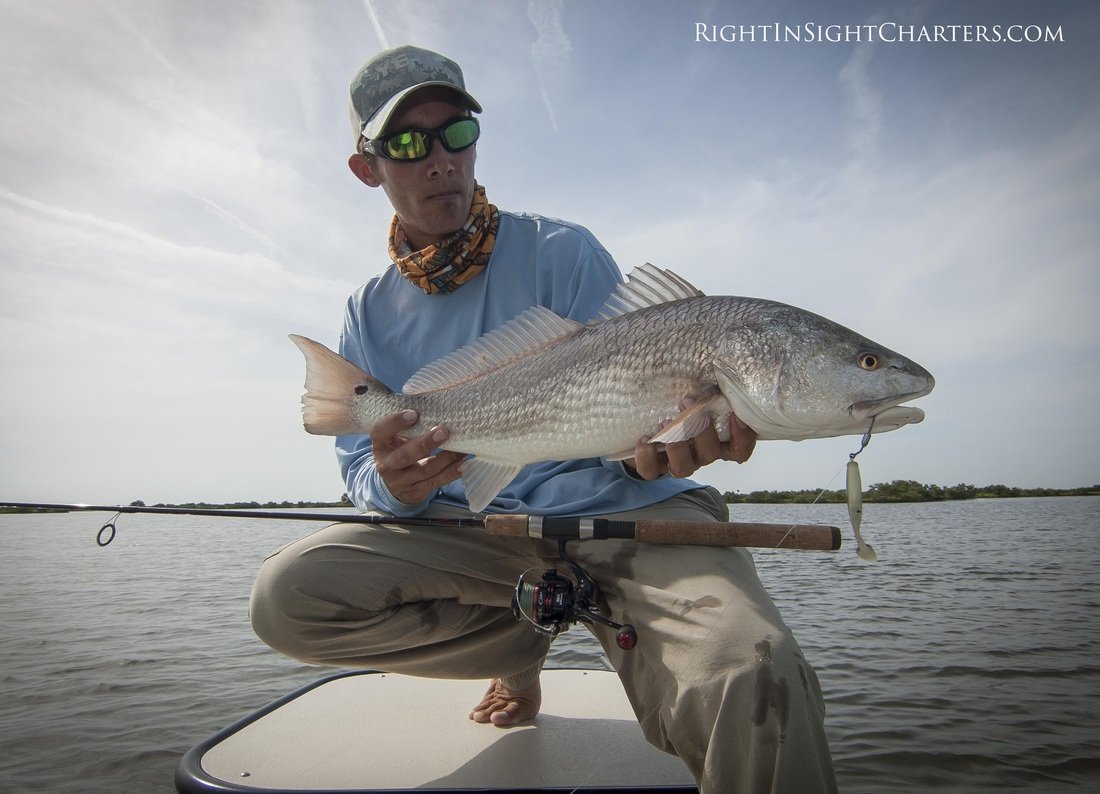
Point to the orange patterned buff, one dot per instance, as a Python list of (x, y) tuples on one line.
[(456, 260)]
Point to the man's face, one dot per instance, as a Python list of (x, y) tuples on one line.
[(432, 196)]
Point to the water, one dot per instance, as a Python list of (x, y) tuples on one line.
[(966, 660)]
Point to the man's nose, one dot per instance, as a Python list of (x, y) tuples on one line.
[(440, 161)]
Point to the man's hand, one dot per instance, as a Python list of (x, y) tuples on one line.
[(683, 458), (407, 466)]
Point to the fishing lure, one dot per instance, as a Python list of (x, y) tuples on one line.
[(855, 499)]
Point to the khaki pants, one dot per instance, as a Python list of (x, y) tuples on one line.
[(716, 677)]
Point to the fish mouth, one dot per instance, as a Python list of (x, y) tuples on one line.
[(865, 409)]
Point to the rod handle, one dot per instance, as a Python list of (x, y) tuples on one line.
[(812, 537), (509, 526)]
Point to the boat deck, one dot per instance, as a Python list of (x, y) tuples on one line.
[(385, 733)]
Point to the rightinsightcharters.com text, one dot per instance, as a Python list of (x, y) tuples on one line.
[(885, 32)]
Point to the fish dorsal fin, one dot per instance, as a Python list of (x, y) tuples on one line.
[(528, 331), (647, 285)]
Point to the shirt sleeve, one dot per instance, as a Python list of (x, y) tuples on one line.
[(586, 287), (355, 453)]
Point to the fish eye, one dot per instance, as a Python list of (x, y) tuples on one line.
[(868, 361)]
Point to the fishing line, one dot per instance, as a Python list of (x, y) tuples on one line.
[(814, 502), (854, 494)]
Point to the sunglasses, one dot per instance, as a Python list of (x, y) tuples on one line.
[(416, 144)]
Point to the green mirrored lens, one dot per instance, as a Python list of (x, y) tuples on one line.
[(410, 145), (415, 144), (460, 134)]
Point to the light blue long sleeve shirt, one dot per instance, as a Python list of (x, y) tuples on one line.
[(392, 329)]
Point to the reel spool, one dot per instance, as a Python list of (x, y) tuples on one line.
[(554, 602)]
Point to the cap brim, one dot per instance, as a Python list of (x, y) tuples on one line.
[(376, 124)]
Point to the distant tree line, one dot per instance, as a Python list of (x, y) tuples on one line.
[(344, 502), (905, 491), (896, 491)]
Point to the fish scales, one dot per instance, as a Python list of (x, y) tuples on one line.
[(576, 398)]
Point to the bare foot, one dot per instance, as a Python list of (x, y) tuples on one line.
[(502, 706)]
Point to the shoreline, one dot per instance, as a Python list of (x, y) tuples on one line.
[(899, 491)]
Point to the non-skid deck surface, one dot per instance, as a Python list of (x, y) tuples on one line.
[(390, 732)]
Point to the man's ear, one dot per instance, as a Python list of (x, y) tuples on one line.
[(362, 167)]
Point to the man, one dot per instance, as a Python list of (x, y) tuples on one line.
[(716, 678)]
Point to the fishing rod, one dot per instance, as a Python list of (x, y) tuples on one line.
[(555, 601), (812, 537)]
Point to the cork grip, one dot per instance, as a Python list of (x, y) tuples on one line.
[(507, 526), (765, 536), (694, 533)]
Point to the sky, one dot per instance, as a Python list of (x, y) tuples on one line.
[(175, 200)]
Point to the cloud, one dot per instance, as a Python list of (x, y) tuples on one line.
[(865, 103), (135, 28), (250, 231), (550, 52), (376, 24), (70, 268)]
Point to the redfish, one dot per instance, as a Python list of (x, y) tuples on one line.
[(543, 387)]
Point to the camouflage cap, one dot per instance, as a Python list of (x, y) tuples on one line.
[(387, 78)]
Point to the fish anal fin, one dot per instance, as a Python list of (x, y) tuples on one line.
[(484, 479), (527, 332)]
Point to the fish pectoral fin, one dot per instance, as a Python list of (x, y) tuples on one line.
[(692, 421), (626, 454), (484, 479)]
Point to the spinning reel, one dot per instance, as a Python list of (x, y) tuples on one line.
[(555, 602)]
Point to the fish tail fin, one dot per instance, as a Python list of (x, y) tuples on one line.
[(333, 385)]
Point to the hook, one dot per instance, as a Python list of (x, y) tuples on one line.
[(864, 441)]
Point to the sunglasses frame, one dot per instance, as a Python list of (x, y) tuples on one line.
[(377, 146)]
